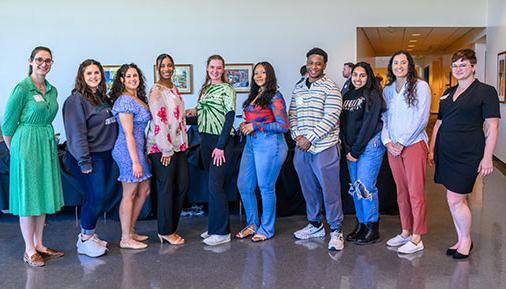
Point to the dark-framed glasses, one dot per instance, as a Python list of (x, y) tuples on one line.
[(40, 60)]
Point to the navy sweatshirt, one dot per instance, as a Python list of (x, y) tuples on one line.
[(359, 122), (89, 128)]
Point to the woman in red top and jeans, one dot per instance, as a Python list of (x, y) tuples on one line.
[(265, 151)]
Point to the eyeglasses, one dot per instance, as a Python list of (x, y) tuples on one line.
[(40, 60), (463, 65)]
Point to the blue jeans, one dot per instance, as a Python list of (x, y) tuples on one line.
[(94, 186), (262, 158), (363, 175)]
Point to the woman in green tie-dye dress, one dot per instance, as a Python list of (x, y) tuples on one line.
[(35, 184)]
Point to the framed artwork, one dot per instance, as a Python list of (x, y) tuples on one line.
[(239, 76), (110, 73), (182, 77), (501, 76)]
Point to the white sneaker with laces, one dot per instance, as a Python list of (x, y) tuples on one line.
[(89, 247), (99, 241), (398, 240), (336, 242), (214, 240), (204, 235), (309, 232), (410, 248)]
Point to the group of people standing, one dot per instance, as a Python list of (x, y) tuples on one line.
[(103, 127)]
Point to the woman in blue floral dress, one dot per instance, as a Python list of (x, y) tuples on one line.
[(130, 108)]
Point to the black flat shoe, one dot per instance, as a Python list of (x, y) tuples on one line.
[(458, 255), (450, 251)]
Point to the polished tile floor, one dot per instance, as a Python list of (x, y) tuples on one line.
[(282, 262)]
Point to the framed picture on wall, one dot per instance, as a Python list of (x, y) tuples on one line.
[(239, 76), (501, 75), (110, 73), (182, 77)]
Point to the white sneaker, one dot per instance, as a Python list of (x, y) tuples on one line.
[(99, 241), (309, 232), (410, 248), (398, 240), (89, 247), (336, 242), (204, 235), (214, 240)]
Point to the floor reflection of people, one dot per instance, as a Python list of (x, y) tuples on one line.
[(364, 272), (411, 273), (460, 277), (260, 269), (35, 279), (133, 275)]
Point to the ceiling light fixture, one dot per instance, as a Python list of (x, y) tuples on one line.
[(416, 34), (413, 40), (411, 45)]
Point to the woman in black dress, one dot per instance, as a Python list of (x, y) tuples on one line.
[(460, 148)]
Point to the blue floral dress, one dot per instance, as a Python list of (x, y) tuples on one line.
[(141, 115)]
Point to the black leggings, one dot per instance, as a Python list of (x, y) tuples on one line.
[(172, 186), (218, 219)]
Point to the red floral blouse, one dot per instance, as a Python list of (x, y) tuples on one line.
[(167, 129)]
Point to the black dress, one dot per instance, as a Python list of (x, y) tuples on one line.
[(460, 140)]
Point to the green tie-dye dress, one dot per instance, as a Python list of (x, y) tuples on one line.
[(215, 103), (35, 182)]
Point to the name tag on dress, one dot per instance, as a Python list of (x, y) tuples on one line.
[(38, 98), (110, 120)]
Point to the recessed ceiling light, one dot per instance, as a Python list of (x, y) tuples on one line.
[(411, 45), (413, 40), (416, 34), (409, 49)]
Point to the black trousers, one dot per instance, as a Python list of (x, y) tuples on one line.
[(172, 186), (218, 215)]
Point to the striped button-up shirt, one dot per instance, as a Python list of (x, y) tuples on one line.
[(314, 113)]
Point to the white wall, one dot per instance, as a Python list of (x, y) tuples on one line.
[(496, 42), (115, 32)]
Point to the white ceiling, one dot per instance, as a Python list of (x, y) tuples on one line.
[(431, 40)]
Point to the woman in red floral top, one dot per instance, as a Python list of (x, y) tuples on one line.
[(265, 122), (167, 143)]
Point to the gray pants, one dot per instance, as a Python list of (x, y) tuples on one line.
[(319, 179)]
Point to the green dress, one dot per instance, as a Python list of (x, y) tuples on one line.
[(35, 182)]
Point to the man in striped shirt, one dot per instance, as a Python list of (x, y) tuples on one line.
[(314, 123)]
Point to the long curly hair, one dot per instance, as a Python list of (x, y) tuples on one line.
[(269, 89), (207, 81), (411, 78), (83, 88), (118, 88), (371, 89)]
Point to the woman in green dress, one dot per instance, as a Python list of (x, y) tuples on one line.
[(35, 184)]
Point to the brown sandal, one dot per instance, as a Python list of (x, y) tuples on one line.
[(246, 232), (35, 260), (50, 253), (258, 238)]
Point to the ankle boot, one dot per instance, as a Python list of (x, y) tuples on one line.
[(371, 235), (360, 229)]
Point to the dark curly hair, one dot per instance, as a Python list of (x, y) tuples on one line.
[(81, 86), (411, 78), (118, 88), (371, 88), (269, 89)]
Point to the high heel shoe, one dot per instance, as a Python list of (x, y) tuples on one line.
[(458, 255), (132, 244), (178, 239)]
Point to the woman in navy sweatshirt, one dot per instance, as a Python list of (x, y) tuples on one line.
[(91, 132), (361, 126)]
